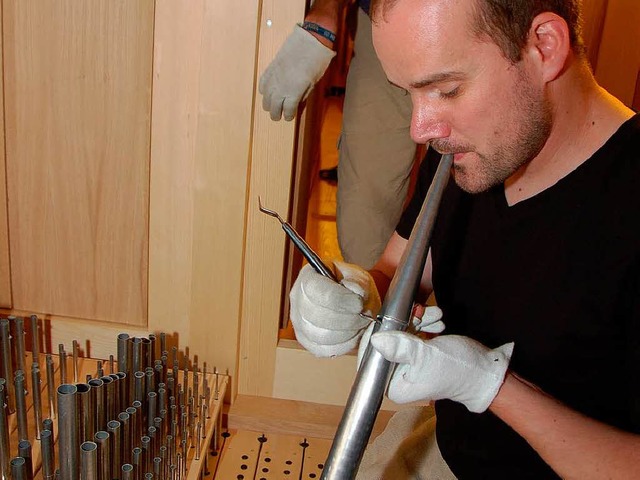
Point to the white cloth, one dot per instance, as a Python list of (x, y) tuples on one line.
[(449, 366), (298, 65), (406, 450)]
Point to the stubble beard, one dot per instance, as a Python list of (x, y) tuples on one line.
[(492, 169)]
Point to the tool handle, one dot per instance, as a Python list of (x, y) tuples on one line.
[(311, 256)]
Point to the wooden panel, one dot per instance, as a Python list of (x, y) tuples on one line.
[(619, 56), (5, 278), (204, 76), (270, 177), (77, 92)]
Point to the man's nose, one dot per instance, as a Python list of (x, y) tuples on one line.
[(428, 124)]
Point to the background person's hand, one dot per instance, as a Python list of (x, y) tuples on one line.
[(448, 366), (298, 65), (326, 315)]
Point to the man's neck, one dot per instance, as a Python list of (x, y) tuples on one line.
[(585, 117)]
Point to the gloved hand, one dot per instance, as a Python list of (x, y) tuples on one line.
[(298, 65), (429, 322), (449, 366), (326, 315)]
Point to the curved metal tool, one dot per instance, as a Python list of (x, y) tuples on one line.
[(311, 256)]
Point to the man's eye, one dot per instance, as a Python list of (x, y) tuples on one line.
[(451, 93)]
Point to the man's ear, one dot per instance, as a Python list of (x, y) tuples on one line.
[(549, 44)]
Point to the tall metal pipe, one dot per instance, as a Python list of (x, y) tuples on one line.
[(68, 431), (89, 461), (371, 380), (47, 454), (74, 352), (5, 445)]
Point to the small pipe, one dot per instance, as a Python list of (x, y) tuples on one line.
[(21, 405), (127, 472), (116, 396), (145, 345), (24, 451), (63, 363), (123, 401), (5, 445), (68, 431), (138, 388), (122, 351), (51, 386), (112, 368), (47, 454), (125, 436), (18, 468), (145, 442), (86, 413), (109, 400), (163, 342), (35, 338), (7, 365), (37, 400), (102, 438), (115, 432), (139, 417), (98, 403), (136, 455), (157, 468), (151, 359), (89, 461), (20, 347), (75, 360), (152, 405)]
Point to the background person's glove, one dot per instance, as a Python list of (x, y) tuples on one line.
[(449, 366), (326, 315), (298, 65)]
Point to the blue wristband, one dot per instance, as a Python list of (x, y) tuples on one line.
[(314, 27)]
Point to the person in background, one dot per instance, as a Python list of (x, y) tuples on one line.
[(376, 153), (535, 255)]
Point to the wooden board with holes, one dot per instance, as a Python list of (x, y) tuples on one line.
[(253, 455)]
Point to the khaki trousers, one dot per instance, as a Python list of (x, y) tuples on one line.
[(376, 155)]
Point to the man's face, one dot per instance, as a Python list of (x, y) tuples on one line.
[(468, 99)]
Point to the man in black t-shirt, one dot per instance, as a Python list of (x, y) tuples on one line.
[(535, 256)]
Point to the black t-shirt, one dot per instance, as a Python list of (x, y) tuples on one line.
[(558, 274)]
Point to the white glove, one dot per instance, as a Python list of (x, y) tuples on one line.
[(449, 366), (326, 315), (298, 65), (430, 322)]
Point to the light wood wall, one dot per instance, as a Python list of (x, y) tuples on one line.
[(77, 116)]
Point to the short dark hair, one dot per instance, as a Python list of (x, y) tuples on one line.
[(507, 22)]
